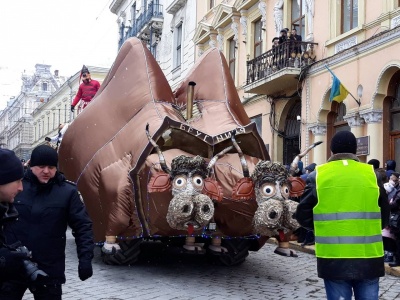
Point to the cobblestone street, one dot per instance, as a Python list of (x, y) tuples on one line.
[(165, 275)]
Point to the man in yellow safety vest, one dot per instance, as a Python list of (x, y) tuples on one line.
[(347, 209)]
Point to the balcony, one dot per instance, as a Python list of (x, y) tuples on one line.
[(278, 69), (147, 26)]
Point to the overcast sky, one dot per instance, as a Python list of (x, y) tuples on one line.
[(62, 33)]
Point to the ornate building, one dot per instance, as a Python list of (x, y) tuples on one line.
[(286, 89), (16, 122), (166, 26)]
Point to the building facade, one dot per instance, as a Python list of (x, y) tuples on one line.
[(16, 122), (166, 26), (286, 89), (47, 117)]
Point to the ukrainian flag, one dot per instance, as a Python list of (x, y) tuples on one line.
[(338, 91)]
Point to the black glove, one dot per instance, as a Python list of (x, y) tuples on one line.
[(11, 260), (85, 270), (72, 108), (47, 139)]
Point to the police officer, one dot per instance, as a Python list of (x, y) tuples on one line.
[(47, 205), (11, 173)]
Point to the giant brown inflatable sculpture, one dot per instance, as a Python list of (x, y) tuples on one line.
[(153, 164)]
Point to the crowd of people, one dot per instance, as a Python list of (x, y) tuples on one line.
[(285, 45)]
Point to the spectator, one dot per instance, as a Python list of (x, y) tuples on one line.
[(347, 262), (395, 230), (392, 186), (390, 167), (283, 37), (275, 52), (47, 205), (296, 41), (310, 168), (62, 128), (374, 162), (87, 90), (389, 243), (11, 173)]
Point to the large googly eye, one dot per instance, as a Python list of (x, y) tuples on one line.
[(285, 191), (268, 190), (198, 182), (179, 182)]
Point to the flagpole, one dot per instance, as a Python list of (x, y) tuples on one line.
[(358, 101)]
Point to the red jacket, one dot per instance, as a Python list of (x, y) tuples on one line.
[(86, 92)]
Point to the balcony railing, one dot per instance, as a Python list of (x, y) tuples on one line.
[(154, 11), (290, 54)]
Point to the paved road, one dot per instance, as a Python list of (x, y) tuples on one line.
[(161, 274)]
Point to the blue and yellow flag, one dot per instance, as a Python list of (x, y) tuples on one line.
[(338, 91)]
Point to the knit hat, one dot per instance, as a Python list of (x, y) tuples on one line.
[(374, 162), (44, 155), (11, 168), (344, 142), (311, 167), (84, 70)]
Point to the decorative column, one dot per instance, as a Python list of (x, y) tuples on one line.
[(213, 40), (235, 29), (373, 118), (243, 23), (262, 6), (220, 39), (355, 122), (319, 132)]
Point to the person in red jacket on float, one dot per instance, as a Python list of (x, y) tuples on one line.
[(87, 90)]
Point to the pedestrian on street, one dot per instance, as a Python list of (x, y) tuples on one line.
[(57, 139), (375, 163), (390, 166), (347, 228), (48, 204), (87, 89), (11, 173)]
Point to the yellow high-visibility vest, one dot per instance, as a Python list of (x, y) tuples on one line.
[(347, 218)]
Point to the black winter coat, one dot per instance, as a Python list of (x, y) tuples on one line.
[(8, 213), (45, 211), (345, 268)]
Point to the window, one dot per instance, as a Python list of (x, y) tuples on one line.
[(258, 121), (298, 16), (349, 15), (178, 46), (232, 48), (154, 50), (257, 38), (44, 86), (211, 4), (133, 13)]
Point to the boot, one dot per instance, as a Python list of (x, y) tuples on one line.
[(395, 263), (388, 257)]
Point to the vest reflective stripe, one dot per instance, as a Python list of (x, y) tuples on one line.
[(348, 239), (348, 215), (347, 220)]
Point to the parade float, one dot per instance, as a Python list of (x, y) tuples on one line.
[(153, 164)]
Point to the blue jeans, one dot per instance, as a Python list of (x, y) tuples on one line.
[(366, 289)]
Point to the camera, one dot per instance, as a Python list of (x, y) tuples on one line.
[(31, 269)]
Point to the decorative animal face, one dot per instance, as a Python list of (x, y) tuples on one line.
[(193, 190), (272, 188), (270, 185)]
